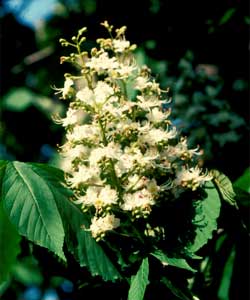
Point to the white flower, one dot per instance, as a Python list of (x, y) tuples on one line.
[(124, 164), (181, 151), (86, 95), (66, 164), (99, 197), (152, 187), (84, 175), (96, 98), (125, 70), (156, 115), (78, 151), (191, 178), (111, 151), (102, 63), (99, 226), (120, 45), (156, 135), (135, 182), (102, 92), (82, 132), (108, 195), (140, 83), (66, 90), (148, 102), (70, 119), (141, 200)]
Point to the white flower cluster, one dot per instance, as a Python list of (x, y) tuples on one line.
[(124, 156)]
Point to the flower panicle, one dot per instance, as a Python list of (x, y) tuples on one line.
[(122, 155)]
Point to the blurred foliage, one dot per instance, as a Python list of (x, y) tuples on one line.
[(209, 85)]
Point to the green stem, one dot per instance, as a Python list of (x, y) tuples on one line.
[(124, 87), (80, 53), (112, 165)]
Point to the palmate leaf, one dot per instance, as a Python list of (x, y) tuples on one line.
[(30, 204), (9, 245), (139, 282), (79, 241), (206, 213), (172, 261), (224, 186)]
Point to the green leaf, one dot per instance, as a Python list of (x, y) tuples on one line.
[(243, 182), (79, 241), (18, 99), (224, 288), (224, 186), (179, 293), (4, 286), (139, 282), (227, 16), (3, 164), (207, 211), (30, 204), (27, 271), (9, 245), (172, 261)]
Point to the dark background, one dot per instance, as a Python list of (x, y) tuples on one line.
[(215, 32)]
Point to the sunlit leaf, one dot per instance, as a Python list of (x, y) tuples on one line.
[(172, 261), (225, 186), (30, 204), (207, 211), (139, 282), (78, 240)]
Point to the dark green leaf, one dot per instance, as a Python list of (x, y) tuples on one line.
[(227, 16), (30, 204), (184, 295), (207, 212), (9, 245), (224, 186), (4, 286), (84, 247), (27, 271), (3, 164), (79, 241), (175, 262), (224, 288), (139, 282), (243, 182)]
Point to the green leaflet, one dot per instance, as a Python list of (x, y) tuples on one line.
[(85, 249), (27, 271), (79, 241), (30, 204), (206, 213), (3, 164), (9, 245), (224, 186), (178, 292), (139, 282), (175, 262), (224, 288), (243, 182)]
